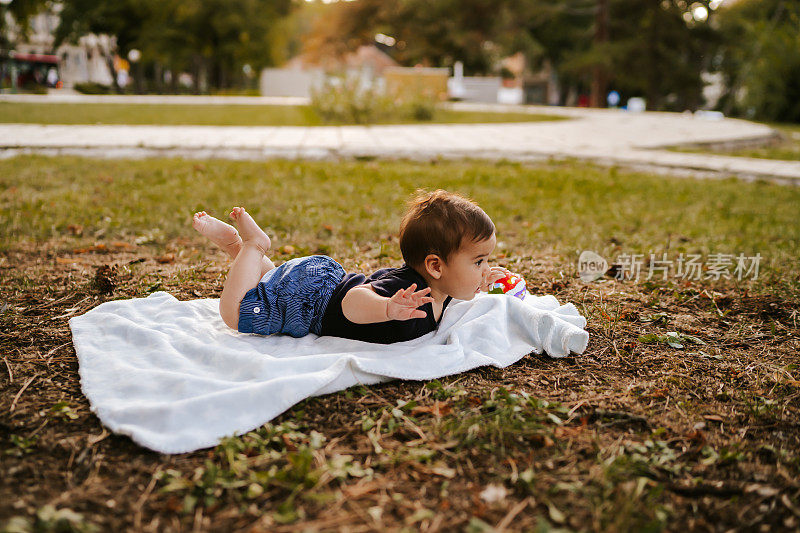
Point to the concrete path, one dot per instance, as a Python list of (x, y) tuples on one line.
[(604, 136)]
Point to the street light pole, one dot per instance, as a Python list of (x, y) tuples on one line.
[(134, 56)]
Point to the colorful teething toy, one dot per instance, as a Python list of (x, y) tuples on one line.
[(512, 284)]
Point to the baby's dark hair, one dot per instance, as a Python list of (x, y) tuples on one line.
[(438, 222)]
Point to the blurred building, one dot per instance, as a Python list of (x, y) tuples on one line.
[(31, 56), (303, 72), (517, 84)]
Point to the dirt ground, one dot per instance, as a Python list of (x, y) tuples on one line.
[(633, 435)]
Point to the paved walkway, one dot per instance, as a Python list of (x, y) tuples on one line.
[(604, 136)]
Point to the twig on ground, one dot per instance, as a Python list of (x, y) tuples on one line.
[(620, 417), (14, 403), (10, 374), (705, 489), (511, 514), (51, 353), (137, 515)]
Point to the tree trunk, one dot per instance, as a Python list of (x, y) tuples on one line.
[(599, 77)]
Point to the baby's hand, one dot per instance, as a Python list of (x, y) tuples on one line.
[(494, 274), (403, 305)]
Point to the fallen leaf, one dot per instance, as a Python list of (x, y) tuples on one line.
[(96, 248), (288, 442), (441, 470), (437, 409), (166, 258), (555, 515), (75, 229), (713, 418), (696, 436), (567, 431), (762, 490), (540, 441)]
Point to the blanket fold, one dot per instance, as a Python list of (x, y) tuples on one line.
[(172, 376)]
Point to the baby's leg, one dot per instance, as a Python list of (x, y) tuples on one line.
[(245, 272), (225, 236)]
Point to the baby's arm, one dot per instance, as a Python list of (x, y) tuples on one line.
[(362, 305)]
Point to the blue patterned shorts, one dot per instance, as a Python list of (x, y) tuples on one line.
[(291, 298)]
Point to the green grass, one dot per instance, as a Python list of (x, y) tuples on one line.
[(211, 115), (786, 149), (332, 208), (635, 434)]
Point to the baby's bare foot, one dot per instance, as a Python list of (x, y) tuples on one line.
[(223, 235), (249, 230)]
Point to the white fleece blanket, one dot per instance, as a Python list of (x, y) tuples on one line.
[(172, 376)]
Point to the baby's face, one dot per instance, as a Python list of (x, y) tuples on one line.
[(464, 272)]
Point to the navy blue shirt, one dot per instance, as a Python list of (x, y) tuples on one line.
[(386, 282)]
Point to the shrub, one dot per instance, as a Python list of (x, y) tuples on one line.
[(92, 88), (346, 100)]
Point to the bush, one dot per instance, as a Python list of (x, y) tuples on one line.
[(344, 100), (92, 88), (34, 88), (417, 107)]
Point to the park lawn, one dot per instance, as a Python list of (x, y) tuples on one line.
[(633, 435), (786, 148), (214, 115)]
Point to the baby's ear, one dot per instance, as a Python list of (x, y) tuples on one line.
[(433, 266)]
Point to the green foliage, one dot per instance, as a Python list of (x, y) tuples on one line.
[(213, 39), (64, 410), (22, 445), (437, 33), (651, 49), (48, 519), (760, 60), (43, 196), (222, 115), (273, 462), (92, 88)]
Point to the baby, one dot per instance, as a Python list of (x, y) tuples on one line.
[(445, 240)]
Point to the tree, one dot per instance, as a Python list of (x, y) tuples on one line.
[(21, 11), (432, 33), (760, 62), (651, 49), (213, 39), (644, 47)]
